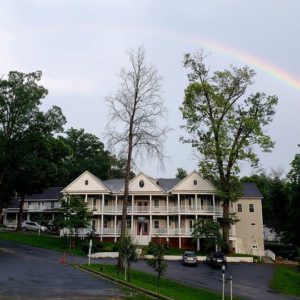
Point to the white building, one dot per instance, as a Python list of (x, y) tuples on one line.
[(158, 208), (167, 209)]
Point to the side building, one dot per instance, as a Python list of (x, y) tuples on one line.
[(37, 207)]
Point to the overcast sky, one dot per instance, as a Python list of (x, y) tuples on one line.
[(80, 46)]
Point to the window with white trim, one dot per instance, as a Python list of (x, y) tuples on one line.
[(156, 203), (156, 224)]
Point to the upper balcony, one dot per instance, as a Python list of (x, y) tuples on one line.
[(157, 210)]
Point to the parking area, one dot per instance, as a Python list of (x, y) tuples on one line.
[(32, 273)]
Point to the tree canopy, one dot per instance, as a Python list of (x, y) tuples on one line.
[(224, 122), (87, 152)]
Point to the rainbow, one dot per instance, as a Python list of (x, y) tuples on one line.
[(250, 59), (245, 57)]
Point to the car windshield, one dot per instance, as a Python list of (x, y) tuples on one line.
[(218, 255), (189, 254)]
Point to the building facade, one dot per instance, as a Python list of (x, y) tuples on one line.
[(164, 209), (167, 209)]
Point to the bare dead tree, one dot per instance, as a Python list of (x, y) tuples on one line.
[(134, 128)]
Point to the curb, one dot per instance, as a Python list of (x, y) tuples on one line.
[(126, 284)]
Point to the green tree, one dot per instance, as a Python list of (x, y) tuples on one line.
[(87, 152), (225, 123), (292, 222), (27, 134), (209, 230), (129, 254), (158, 262), (74, 214), (181, 173)]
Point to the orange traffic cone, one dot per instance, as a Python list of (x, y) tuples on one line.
[(63, 259)]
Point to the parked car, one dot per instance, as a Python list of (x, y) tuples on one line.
[(189, 258), (33, 226), (216, 259)]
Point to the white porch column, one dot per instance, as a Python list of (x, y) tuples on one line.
[(196, 202), (179, 224), (132, 204), (101, 227), (150, 211), (167, 204), (150, 229), (102, 204), (85, 198), (132, 225), (168, 220), (214, 204), (178, 202), (198, 240), (116, 204), (115, 228)]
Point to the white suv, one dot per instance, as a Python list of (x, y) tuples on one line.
[(33, 226)]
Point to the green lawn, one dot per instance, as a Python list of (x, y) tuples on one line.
[(148, 281), (42, 241), (286, 280)]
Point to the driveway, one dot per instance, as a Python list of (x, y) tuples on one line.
[(33, 273)]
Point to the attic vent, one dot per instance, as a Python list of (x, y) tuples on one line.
[(195, 182), (86, 182), (141, 183)]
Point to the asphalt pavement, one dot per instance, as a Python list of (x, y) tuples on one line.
[(33, 273)]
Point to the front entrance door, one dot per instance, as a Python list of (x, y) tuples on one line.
[(142, 228)]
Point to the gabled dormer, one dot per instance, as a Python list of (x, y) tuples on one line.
[(193, 183), (86, 183), (143, 184)]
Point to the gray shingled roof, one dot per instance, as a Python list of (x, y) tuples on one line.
[(168, 183), (48, 194), (115, 185), (250, 190)]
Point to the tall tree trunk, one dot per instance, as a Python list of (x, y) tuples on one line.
[(226, 224), (20, 215), (125, 203)]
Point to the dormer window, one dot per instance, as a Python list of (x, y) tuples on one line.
[(86, 182), (195, 182), (141, 183)]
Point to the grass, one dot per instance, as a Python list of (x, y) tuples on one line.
[(42, 241), (286, 280), (148, 281)]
